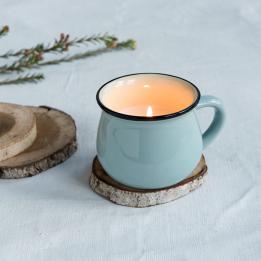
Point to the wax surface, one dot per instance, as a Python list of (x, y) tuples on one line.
[(148, 95)]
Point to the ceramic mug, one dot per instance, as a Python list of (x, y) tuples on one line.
[(156, 151)]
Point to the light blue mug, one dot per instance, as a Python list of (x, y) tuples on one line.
[(158, 151)]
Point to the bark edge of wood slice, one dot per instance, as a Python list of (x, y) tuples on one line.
[(55, 143), (17, 129), (104, 185)]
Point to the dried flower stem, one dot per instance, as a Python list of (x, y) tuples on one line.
[(33, 78)]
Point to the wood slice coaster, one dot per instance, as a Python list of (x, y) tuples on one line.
[(17, 129), (120, 194), (55, 142)]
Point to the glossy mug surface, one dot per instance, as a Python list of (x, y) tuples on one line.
[(157, 149)]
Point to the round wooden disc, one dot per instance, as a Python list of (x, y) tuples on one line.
[(120, 194), (17, 129), (55, 142)]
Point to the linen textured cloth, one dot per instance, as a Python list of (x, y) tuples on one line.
[(216, 45)]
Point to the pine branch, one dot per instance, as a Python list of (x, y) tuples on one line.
[(62, 45), (4, 30), (33, 78), (33, 59)]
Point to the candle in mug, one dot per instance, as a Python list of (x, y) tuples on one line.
[(148, 95)]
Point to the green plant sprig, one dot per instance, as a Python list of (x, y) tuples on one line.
[(4, 31), (34, 58), (129, 44), (33, 78), (62, 45)]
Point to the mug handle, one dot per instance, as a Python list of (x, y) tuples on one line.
[(218, 120)]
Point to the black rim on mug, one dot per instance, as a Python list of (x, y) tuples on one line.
[(145, 118)]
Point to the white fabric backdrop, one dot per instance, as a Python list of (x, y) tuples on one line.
[(216, 45)]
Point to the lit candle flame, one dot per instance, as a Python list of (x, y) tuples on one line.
[(149, 112)]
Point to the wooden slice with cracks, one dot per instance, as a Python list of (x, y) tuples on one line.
[(55, 142), (120, 194), (17, 129)]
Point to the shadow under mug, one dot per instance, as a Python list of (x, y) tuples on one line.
[(158, 151)]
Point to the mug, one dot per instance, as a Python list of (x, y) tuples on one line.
[(152, 151)]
